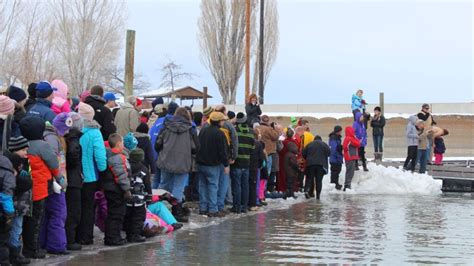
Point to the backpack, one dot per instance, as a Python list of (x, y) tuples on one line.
[(137, 188)]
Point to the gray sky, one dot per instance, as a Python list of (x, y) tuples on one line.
[(414, 51)]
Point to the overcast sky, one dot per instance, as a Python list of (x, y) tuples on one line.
[(414, 51)]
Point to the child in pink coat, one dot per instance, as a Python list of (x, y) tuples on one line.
[(60, 101)]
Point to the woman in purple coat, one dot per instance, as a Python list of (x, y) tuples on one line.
[(361, 134)]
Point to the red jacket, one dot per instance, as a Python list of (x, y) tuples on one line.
[(44, 166), (350, 145)]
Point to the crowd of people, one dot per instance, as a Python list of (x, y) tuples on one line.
[(70, 164)]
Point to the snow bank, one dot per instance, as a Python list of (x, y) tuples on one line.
[(345, 115), (387, 180)]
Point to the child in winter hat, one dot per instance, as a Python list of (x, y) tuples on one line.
[(62, 122), (86, 111), (130, 142), (16, 94), (60, 101), (7, 105), (77, 121)]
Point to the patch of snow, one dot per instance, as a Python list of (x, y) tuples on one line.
[(345, 115)]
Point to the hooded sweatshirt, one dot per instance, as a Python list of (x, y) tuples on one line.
[(335, 143), (350, 145), (290, 162), (127, 119), (93, 151), (60, 101), (360, 130), (412, 132)]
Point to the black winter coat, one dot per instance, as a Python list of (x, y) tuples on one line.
[(103, 115), (290, 162), (137, 167), (253, 113), (74, 158), (257, 156), (144, 143), (213, 151), (317, 153), (377, 126)]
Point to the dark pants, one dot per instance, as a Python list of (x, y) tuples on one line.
[(31, 227), (4, 237), (354, 112), (421, 154), (335, 171), (290, 184), (53, 233), (85, 231), (378, 143), (191, 192), (116, 210), (301, 184), (240, 189), (271, 182), (410, 161), (133, 221), (314, 175), (253, 187), (362, 157), (73, 201), (350, 168)]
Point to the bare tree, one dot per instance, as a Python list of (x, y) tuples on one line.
[(10, 11), (173, 74), (270, 44), (88, 38), (114, 81), (222, 42)]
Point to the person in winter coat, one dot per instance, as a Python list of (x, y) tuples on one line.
[(144, 143), (127, 118), (282, 182), (74, 180), (429, 122), (53, 234), (61, 100), (102, 114), (291, 167), (361, 134), (19, 96), (93, 161), (212, 160), (252, 108), (140, 187), (44, 98), (358, 103), (336, 158), (412, 142), (270, 136), (176, 144), (155, 130), (350, 146), (44, 166), (423, 144), (316, 155), (7, 107), (440, 148), (116, 185), (31, 96), (378, 123), (257, 158), (7, 212), (240, 169), (18, 148)]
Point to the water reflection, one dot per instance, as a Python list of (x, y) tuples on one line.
[(340, 229)]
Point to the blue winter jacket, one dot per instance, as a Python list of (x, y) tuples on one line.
[(356, 103), (359, 129), (335, 143), (42, 109), (155, 131), (94, 159)]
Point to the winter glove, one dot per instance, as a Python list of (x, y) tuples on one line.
[(127, 195), (148, 199), (363, 102)]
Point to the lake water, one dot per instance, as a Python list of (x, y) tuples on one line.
[(341, 228)]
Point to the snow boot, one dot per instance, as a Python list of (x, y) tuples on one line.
[(338, 186), (364, 165), (178, 213), (16, 258)]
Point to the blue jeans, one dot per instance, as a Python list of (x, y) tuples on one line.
[(269, 164), (156, 179), (15, 232), (174, 183), (223, 186), (378, 143), (208, 187), (422, 159), (240, 189), (429, 146)]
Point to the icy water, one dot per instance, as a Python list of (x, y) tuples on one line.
[(342, 228)]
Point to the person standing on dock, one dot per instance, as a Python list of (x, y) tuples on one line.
[(378, 123), (429, 122), (412, 142)]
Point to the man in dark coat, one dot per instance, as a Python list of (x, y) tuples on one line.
[(103, 115), (316, 155)]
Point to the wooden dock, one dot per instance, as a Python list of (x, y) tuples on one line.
[(457, 176)]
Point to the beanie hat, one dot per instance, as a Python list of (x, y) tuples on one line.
[(32, 90), (16, 161), (108, 96), (172, 108), (62, 89), (337, 129), (265, 118), (86, 111), (156, 101), (7, 105), (293, 121), (84, 95), (17, 143), (32, 127), (62, 122), (241, 118), (44, 89), (230, 114), (16, 94), (143, 128), (77, 121), (217, 116), (130, 142), (208, 111), (137, 155)]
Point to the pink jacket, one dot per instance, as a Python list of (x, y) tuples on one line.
[(60, 101)]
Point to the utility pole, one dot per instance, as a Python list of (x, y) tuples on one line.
[(382, 102), (129, 62), (204, 98), (247, 50), (261, 64)]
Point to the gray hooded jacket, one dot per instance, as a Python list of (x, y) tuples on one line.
[(412, 132)]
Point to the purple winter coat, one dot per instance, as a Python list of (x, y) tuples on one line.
[(360, 130)]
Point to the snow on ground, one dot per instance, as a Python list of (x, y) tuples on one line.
[(344, 115)]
